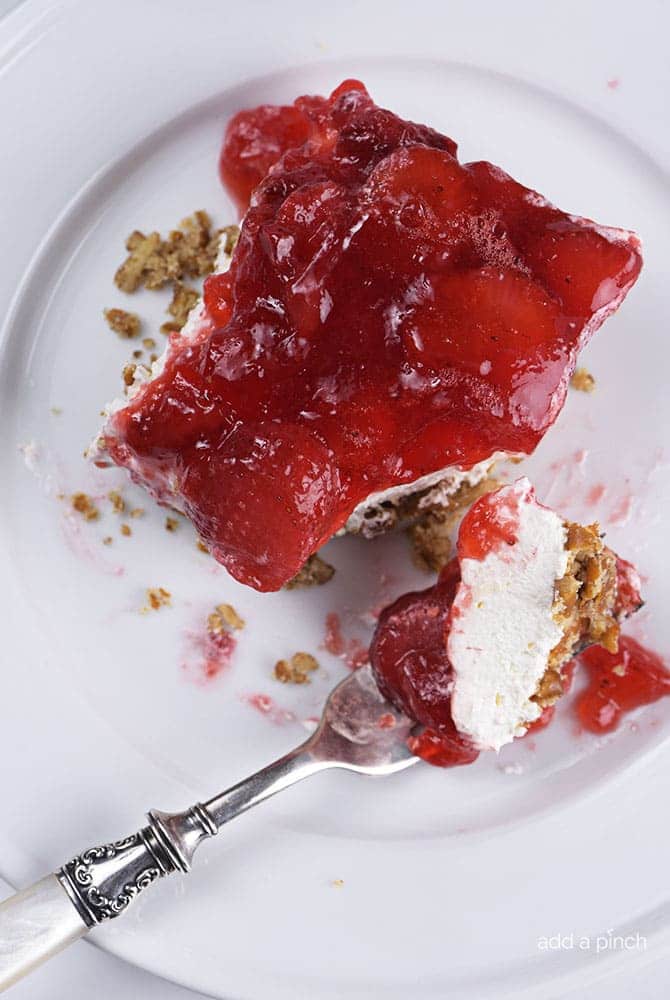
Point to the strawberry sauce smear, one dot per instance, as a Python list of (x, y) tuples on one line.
[(388, 312), (618, 683)]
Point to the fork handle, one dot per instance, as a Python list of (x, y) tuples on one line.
[(101, 882), (36, 924), (93, 887)]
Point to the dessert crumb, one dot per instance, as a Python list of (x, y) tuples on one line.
[(126, 530), (337, 883), (223, 618), (183, 300), (56, 411), (171, 523), (297, 669), (157, 597), (128, 374), (126, 324), (431, 535), (515, 768), (137, 512), (582, 380), (107, 540), (431, 541), (187, 252), (200, 545), (82, 503), (117, 501), (315, 572), (148, 343)]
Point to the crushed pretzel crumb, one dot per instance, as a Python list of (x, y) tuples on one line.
[(200, 545), (82, 503), (315, 572), (297, 669), (431, 534), (126, 530), (128, 374), (224, 618), (187, 252), (126, 324), (117, 501), (183, 300), (582, 380), (137, 512), (157, 597), (171, 523), (149, 343)]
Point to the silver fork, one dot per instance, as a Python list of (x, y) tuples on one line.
[(359, 731)]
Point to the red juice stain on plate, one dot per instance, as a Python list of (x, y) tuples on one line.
[(351, 650), (268, 707), (620, 514), (595, 494), (618, 683), (210, 654)]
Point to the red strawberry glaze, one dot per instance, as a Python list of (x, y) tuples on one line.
[(491, 523), (618, 683), (389, 312), (254, 140), (409, 659)]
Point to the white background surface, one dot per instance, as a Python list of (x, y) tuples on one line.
[(86, 972)]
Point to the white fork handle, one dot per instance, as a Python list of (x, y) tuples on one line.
[(35, 924)]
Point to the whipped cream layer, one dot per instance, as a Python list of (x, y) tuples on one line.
[(502, 625)]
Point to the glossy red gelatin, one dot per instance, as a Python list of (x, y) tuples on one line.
[(618, 683), (409, 660), (388, 313)]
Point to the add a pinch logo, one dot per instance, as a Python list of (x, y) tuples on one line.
[(609, 941)]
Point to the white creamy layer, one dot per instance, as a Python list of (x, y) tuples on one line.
[(503, 629)]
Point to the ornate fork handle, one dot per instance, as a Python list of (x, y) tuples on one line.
[(102, 881)]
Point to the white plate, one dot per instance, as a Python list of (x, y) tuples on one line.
[(113, 114)]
